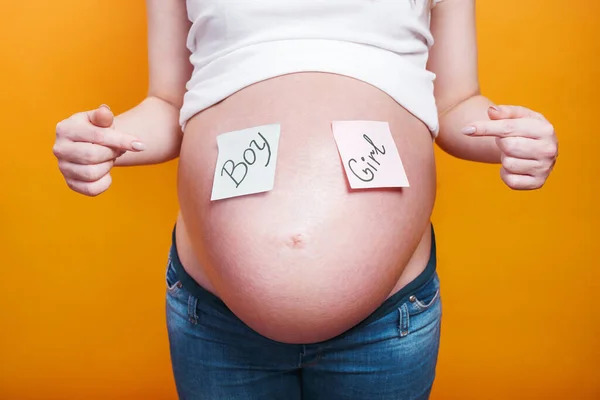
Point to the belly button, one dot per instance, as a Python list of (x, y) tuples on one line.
[(297, 241)]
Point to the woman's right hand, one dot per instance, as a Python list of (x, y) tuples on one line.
[(87, 146)]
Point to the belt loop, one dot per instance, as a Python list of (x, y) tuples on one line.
[(192, 314), (403, 321)]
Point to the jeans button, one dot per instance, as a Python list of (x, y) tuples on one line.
[(412, 298)]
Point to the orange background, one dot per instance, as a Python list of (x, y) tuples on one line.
[(82, 288)]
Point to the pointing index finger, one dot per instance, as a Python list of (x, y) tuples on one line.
[(108, 137)]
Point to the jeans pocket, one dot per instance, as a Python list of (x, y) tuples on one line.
[(425, 297), (172, 281)]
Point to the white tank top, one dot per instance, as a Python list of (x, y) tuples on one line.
[(235, 43)]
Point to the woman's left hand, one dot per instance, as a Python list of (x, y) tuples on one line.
[(527, 142)]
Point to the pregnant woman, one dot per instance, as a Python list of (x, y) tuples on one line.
[(312, 290)]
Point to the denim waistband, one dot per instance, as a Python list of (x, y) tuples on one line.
[(389, 305)]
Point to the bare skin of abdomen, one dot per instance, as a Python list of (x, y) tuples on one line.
[(311, 258)]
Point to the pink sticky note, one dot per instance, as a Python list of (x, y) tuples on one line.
[(369, 154)]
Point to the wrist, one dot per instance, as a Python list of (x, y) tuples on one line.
[(156, 123), (454, 142)]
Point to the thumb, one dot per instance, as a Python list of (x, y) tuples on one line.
[(512, 112), (496, 113), (102, 117)]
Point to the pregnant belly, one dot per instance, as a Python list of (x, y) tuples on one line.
[(311, 258)]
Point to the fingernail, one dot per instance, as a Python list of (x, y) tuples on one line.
[(139, 146), (494, 109), (105, 106), (469, 130)]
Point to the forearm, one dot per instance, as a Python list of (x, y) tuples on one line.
[(454, 142), (156, 123)]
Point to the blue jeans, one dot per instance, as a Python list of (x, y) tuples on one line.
[(216, 356)]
